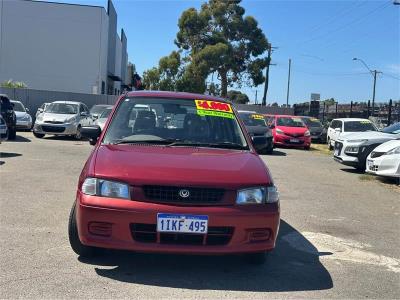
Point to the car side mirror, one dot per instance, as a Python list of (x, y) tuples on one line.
[(95, 117), (259, 141), (27, 109), (338, 130), (84, 114), (92, 133), (40, 110), (272, 126)]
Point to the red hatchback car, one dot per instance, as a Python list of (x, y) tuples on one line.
[(174, 173), (290, 131)]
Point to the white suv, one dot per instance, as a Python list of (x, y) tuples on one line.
[(354, 149), (345, 126)]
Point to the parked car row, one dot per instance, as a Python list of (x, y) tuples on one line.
[(358, 143)]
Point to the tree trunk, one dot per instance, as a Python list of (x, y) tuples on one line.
[(224, 83)]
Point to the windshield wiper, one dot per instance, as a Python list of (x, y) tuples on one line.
[(129, 141), (225, 145)]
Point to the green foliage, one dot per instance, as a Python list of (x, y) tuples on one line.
[(13, 84), (216, 39), (237, 97), (219, 38), (330, 101)]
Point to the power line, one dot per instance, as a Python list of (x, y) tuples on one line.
[(391, 76)]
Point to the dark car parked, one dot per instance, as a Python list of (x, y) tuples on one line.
[(8, 114), (317, 130), (258, 129)]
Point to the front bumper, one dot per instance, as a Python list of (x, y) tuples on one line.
[(289, 141), (3, 132), (269, 144), (24, 124), (386, 165), (55, 129), (123, 215)]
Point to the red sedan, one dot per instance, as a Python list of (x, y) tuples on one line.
[(174, 173), (290, 131)]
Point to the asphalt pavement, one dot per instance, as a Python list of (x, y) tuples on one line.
[(339, 236)]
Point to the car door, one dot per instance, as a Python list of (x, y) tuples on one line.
[(331, 130), (335, 132), (84, 115)]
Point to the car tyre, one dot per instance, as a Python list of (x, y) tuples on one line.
[(258, 258), (78, 134), (329, 144), (307, 147), (12, 134), (74, 241), (39, 135)]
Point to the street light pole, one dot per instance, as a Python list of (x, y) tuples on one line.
[(288, 84), (373, 73)]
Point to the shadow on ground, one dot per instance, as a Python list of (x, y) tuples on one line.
[(19, 139), (288, 269), (352, 170), (9, 154)]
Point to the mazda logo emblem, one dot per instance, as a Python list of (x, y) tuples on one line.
[(184, 193)]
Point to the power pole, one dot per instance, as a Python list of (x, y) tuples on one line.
[(288, 83), (373, 92), (264, 99), (256, 97)]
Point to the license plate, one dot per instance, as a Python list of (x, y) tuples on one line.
[(182, 223), (336, 152), (294, 140)]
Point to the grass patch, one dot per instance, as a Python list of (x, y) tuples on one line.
[(367, 177), (321, 148), (392, 183)]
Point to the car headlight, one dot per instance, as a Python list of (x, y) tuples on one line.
[(393, 151), (279, 131), (70, 120), (351, 149), (257, 195), (358, 141), (307, 133), (39, 118), (105, 188), (25, 118)]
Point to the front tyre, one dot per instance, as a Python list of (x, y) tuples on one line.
[(329, 144), (78, 134), (258, 258), (38, 135), (76, 245)]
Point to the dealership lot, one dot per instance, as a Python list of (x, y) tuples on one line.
[(338, 235)]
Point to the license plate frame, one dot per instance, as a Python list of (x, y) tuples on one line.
[(182, 223), (294, 141)]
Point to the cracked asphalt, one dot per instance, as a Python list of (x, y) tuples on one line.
[(339, 236)]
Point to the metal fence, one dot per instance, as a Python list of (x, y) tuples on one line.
[(33, 99), (385, 113)]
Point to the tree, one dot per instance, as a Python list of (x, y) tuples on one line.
[(219, 38), (13, 84), (330, 101), (237, 97), (151, 79)]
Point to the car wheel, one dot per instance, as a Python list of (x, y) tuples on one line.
[(329, 144), (78, 134), (12, 134), (269, 150), (76, 245), (38, 135), (258, 258), (307, 147)]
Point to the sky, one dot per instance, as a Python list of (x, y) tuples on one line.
[(320, 37)]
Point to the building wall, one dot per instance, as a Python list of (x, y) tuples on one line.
[(51, 46)]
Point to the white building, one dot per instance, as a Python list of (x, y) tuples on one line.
[(62, 47)]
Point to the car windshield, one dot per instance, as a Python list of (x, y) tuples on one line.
[(290, 122), (393, 129), (359, 126), (253, 119), (312, 122), (175, 122), (18, 107), (97, 109), (105, 113), (62, 108)]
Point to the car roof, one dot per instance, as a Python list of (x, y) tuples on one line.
[(247, 112), (287, 116), (351, 119), (174, 95), (68, 102), (105, 105), (16, 101)]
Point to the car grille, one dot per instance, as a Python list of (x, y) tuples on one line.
[(53, 122), (147, 233), (376, 154), (293, 134), (170, 194), (53, 128), (338, 148)]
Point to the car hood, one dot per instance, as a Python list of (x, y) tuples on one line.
[(56, 117), (101, 122), (387, 146), (257, 129), (372, 136), (315, 129), (293, 130), (20, 114), (180, 166)]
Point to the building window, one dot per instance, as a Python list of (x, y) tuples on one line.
[(115, 91), (103, 87)]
